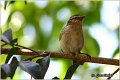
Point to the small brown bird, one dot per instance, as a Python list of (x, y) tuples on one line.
[(71, 37)]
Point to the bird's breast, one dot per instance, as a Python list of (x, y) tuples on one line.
[(72, 40)]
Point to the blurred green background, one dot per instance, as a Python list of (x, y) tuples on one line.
[(37, 25)]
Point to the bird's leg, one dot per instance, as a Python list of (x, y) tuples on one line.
[(87, 55), (77, 62), (76, 54)]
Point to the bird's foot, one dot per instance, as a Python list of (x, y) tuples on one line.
[(77, 62), (81, 63), (87, 55)]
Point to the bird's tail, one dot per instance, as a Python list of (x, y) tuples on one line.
[(77, 63)]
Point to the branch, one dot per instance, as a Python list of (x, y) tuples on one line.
[(114, 73), (81, 58)]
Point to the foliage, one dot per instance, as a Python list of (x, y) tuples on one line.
[(36, 70), (9, 69), (45, 37)]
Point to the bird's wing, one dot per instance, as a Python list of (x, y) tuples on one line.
[(62, 32)]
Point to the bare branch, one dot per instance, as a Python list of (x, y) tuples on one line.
[(81, 58), (114, 73)]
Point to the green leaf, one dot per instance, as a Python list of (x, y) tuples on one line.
[(44, 63), (9, 69), (116, 52), (71, 71), (90, 45), (34, 69), (11, 53)]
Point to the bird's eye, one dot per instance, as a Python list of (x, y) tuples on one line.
[(75, 18)]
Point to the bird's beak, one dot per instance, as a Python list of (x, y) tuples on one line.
[(81, 17)]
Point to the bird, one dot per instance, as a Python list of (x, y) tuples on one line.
[(71, 36)]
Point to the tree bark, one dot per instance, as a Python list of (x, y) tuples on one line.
[(81, 58)]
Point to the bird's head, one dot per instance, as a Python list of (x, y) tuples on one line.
[(75, 19)]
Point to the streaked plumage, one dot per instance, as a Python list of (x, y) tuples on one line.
[(71, 36)]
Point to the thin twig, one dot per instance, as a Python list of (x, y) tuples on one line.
[(30, 58), (25, 48), (3, 44), (113, 73)]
